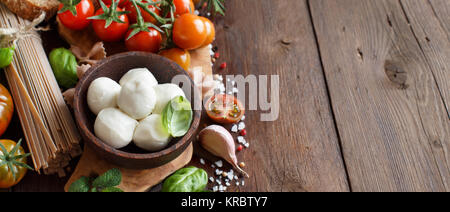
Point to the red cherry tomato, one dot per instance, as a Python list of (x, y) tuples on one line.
[(189, 32), (122, 3), (224, 109), (144, 41), (147, 16), (6, 109), (84, 9), (114, 32), (183, 6)]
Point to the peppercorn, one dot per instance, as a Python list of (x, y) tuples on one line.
[(217, 55), (240, 147), (243, 132), (223, 66)]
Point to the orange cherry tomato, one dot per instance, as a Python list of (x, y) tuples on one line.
[(210, 31), (7, 178), (6, 109), (180, 56), (183, 7), (224, 109), (147, 16), (189, 32)]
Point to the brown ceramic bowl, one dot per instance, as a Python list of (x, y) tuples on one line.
[(115, 67)]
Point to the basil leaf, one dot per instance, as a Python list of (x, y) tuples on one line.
[(81, 185), (112, 189), (190, 179), (6, 56), (177, 116), (64, 65), (108, 179)]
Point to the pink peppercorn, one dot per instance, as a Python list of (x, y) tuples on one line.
[(240, 147), (223, 66), (243, 132)]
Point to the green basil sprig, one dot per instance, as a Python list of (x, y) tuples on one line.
[(6, 56), (190, 179), (104, 183), (177, 116), (64, 65)]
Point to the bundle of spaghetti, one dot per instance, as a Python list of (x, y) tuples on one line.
[(49, 129)]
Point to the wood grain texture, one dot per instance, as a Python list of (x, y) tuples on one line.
[(391, 118), (433, 37), (300, 150)]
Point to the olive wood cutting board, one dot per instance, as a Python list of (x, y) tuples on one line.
[(90, 164)]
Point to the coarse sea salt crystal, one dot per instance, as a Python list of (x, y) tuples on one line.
[(218, 172), (219, 163), (196, 12), (235, 90), (236, 177), (230, 176), (212, 166), (241, 140), (234, 128), (215, 188), (243, 182), (227, 184), (202, 161), (237, 183), (241, 126), (243, 118), (246, 145), (211, 179)]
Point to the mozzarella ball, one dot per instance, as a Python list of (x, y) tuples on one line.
[(139, 74), (102, 93), (114, 127), (150, 134), (165, 93), (137, 99)]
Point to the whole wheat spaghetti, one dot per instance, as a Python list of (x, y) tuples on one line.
[(48, 126)]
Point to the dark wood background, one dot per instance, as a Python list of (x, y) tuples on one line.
[(364, 97)]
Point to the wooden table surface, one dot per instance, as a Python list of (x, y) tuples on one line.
[(364, 94)]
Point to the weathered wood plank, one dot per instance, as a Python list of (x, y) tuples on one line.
[(300, 150), (433, 38), (394, 130)]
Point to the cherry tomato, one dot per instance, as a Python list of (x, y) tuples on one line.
[(144, 41), (189, 32), (180, 56), (122, 3), (210, 31), (147, 16), (84, 9), (224, 109), (6, 109), (114, 32), (7, 178), (183, 7)]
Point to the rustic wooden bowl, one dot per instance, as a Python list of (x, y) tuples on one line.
[(115, 67)]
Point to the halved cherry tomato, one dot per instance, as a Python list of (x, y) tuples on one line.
[(84, 10), (183, 7), (210, 31), (144, 41), (7, 178), (114, 32), (189, 32), (224, 109), (180, 56), (6, 109), (147, 16)]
